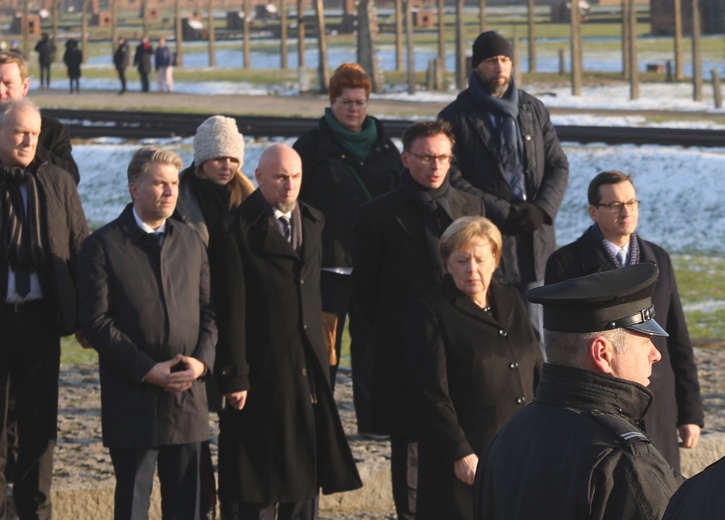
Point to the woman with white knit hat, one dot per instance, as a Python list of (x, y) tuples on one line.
[(208, 189), (214, 183)]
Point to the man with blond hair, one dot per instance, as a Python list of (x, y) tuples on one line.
[(144, 305)]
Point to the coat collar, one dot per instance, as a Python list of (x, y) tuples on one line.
[(593, 260), (497, 298), (562, 385)]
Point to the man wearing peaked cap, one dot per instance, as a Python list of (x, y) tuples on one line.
[(576, 452)]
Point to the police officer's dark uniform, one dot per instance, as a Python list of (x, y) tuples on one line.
[(576, 452)]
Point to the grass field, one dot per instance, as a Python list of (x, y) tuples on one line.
[(701, 281)]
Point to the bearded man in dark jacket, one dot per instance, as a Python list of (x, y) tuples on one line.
[(508, 154)]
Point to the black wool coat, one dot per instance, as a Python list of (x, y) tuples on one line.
[(337, 184), (65, 226), (54, 146), (472, 371), (279, 447), (700, 497), (674, 378), (546, 174), (392, 269), (138, 308)]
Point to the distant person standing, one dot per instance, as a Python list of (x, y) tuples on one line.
[(164, 67), (73, 57), (46, 56), (121, 59), (142, 61), (14, 47)]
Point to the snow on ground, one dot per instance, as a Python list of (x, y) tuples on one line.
[(681, 189)]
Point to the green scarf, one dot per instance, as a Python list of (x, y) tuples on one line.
[(358, 144)]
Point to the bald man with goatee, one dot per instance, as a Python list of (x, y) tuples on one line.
[(281, 439)]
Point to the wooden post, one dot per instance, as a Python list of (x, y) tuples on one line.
[(399, 35), (26, 36), (212, 34), (301, 34), (323, 75), (679, 72), (482, 15), (460, 47), (517, 62), (54, 37), (114, 24), (179, 33), (576, 65), (430, 75), (634, 65), (366, 34), (410, 46), (441, 36), (283, 59), (562, 64), (716, 92), (625, 39), (84, 27), (696, 54), (246, 40), (532, 36)]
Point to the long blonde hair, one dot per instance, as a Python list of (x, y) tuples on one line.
[(239, 185)]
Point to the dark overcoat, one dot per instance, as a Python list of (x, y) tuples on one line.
[(674, 378), (392, 268), (700, 497), (54, 146), (65, 225), (479, 171), (472, 372), (139, 308), (334, 182), (279, 447)]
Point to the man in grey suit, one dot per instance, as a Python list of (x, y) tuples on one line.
[(144, 292)]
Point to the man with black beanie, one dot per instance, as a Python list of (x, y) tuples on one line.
[(507, 153)]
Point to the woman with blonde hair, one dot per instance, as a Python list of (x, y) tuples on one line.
[(214, 183), (474, 360), (208, 189)]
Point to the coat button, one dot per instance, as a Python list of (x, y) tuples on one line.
[(513, 365), (302, 282), (527, 137), (520, 400), (226, 371), (503, 333), (304, 372)]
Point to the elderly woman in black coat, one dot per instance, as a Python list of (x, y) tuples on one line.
[(475, 361)]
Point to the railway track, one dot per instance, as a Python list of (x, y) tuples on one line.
[(88, 124)]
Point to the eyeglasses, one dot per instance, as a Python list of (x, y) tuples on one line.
[(617, 207), (357, 103), (427, 159)]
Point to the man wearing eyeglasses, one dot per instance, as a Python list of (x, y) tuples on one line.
[(610, 243), (508, 154), (396, 259)]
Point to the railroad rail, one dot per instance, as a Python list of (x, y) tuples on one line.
[(88, 124)]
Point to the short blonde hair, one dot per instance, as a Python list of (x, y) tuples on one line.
[(464, 230), (145, 157), (8, 56)]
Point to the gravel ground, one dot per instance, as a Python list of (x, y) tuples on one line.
[(81, 462)]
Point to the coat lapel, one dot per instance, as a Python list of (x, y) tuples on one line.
[(409, 219)]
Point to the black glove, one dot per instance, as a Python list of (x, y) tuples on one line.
[(524, 218)]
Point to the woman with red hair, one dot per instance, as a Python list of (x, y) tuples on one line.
[(346, 161)]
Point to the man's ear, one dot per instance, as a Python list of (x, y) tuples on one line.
[(601, 355)]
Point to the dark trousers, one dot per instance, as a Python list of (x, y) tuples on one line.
[(45, 76), (178, 468), (404, 474), (29, 360), (207, 481), (337, 299), (75, 82), (305, 510), (144, 75), (122, 78)]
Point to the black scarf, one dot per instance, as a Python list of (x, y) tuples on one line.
[(20, 227), (436, 210), (632, 255), (213, 199), (502, 113)]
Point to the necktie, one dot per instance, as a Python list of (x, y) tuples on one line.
[(22, 281), (286, 228), (622, 257)]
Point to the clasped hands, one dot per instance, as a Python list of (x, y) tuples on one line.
[(176, 374)]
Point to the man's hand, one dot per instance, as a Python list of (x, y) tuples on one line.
[(81, 338), (237, 400), (176, 374), (690, 435), (465, 468)]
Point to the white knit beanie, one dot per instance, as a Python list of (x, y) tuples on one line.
[(216, 137)]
